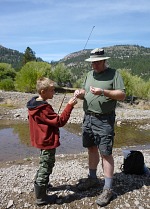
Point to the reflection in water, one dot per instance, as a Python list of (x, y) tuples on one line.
[(22, 130), (128, 134), (15, 140)]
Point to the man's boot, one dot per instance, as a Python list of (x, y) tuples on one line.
[(41, 197)]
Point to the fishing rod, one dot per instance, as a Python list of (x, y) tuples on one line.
[(88, 37), (83, 49), (62, 102)]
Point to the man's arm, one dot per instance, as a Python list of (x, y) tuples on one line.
[(113, 94)]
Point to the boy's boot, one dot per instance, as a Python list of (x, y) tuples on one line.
[(41, 197)]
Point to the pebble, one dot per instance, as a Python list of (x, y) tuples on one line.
[(10, 203), (16, 186)]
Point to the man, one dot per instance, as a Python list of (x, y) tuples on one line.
[(103, 86)]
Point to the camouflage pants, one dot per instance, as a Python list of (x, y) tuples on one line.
[(46, 164)]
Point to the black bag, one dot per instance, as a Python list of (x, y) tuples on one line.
[(134, 163)]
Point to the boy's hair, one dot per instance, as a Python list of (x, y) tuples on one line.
[(43, 84)]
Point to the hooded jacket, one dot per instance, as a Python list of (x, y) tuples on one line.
[(44, 123)]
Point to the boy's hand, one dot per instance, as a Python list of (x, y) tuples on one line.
[(79, 93), (73, 101)]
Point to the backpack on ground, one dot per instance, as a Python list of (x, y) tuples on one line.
[(134, 163)]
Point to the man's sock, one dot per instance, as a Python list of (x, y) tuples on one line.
[(108, 183), (92, 173)]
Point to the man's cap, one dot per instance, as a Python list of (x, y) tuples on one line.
[(97, 55)]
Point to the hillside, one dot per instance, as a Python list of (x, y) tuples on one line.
[(12, 57), (133, 57)]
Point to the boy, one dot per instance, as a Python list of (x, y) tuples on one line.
[(44, 126)]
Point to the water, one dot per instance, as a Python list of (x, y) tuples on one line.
[(128, 134), (15, 143)]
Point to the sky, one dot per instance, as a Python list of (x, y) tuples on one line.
[(56, 28)]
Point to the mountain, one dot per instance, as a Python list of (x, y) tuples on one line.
[(132, 57), (12, 57)]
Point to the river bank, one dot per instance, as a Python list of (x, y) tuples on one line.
[(13, 106), (16, 177)]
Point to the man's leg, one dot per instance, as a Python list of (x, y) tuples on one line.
[(108, 168), (92, 180), (93, 155), (108, 165), (93, 161)]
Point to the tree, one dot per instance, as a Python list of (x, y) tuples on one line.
[(7, 76), (61, 75), (28, 56), (6, 71), (29, 73)]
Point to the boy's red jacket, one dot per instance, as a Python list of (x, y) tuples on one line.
[(44, 123)]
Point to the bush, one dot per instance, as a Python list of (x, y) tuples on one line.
[(6, 71), (7, 84), (61, 75), (26, 78), (135, 86)]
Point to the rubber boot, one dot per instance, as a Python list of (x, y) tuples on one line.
[(41, 197)]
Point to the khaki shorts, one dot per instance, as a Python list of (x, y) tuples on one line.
[(99, 131)]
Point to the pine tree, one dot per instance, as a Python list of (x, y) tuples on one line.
[(29, 55)]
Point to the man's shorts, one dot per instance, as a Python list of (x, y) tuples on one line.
[(99, 131)]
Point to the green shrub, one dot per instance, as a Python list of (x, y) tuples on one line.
[(6, 71), (61, 74), (26, 78), (135, 85), (128, 82), (7, 84)]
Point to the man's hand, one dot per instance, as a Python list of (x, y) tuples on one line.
[(96, 91)]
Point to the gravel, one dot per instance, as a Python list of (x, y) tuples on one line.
[(16, 189), (14, 107), (16, 177)]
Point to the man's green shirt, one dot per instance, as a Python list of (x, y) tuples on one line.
[(109, 79)]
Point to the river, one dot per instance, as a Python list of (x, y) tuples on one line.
[(15, 143)]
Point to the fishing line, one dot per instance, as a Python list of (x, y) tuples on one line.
[(83, 50)]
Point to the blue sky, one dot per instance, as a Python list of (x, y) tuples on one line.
[(56, 28)]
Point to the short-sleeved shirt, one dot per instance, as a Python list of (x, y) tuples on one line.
[(109, 79)]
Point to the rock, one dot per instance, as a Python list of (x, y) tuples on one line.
[(10, 203), (118, 123)]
